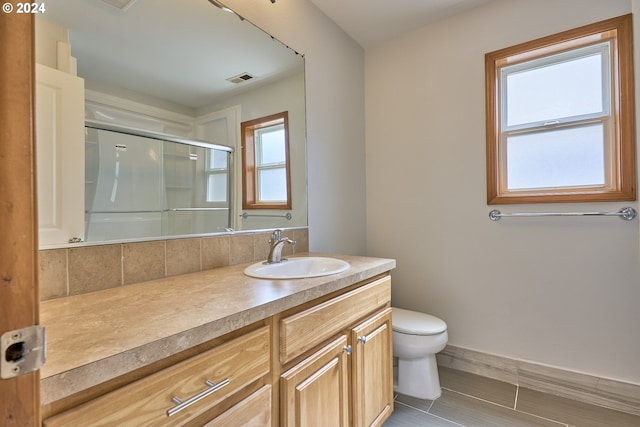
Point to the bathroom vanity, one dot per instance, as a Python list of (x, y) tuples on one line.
[(219, 348)]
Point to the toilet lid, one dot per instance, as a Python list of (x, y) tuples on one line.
[(416, 323)]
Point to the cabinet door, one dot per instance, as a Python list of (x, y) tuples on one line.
[(60, 155), (315, 392), (372, 370)]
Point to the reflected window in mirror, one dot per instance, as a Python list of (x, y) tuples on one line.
[(217, 171), (265, 163)]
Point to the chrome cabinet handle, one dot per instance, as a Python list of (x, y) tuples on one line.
[(347, 349), (213, 387), (365, 338)]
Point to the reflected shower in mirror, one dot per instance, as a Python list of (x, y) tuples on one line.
[(147, 185), (186, 69)]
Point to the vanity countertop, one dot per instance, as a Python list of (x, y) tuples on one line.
[(94, 337)]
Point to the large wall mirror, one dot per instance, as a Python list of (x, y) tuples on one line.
[(139, 106)]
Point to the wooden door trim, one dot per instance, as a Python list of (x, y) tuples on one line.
[(19, 296)]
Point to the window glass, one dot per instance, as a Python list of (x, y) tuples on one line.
[(217, 188), (217, 171), (558, 158), (271, 149), (272, 185), (555, 88), (218, 159)]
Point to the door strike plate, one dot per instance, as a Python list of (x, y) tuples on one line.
[(22, 351)]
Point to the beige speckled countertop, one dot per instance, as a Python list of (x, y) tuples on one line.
[(95, 337)]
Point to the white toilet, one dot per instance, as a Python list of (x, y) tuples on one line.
[(417, 337)]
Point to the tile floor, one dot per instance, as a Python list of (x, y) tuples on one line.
[(470, 400)]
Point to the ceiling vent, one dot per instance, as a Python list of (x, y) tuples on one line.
[(123, 5), (240, 78)]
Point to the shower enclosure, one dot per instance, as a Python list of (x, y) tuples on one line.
[(141, 184)]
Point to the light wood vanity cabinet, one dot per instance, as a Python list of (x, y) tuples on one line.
[(327, 362), (349, 380), (372, 376), (200, 382), (316, 390)]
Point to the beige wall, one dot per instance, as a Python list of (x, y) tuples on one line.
[(334, 66), (283, 95), (47, 37), (557, 291)]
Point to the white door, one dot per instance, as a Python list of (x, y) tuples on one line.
[(60, 155)]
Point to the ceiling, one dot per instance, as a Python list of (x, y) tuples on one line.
[(370, 22), (182, 51), (185, 51)]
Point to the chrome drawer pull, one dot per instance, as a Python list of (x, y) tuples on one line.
[(213, 387)]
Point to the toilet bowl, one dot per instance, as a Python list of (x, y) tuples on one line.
[(417, 337)]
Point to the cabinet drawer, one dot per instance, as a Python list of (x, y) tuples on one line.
[(302, 331), (147, 401), (252, 411)]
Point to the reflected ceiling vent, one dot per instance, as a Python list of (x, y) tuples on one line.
[(240, 78), (123, 5)]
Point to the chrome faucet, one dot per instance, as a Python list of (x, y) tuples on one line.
[(276, 243)]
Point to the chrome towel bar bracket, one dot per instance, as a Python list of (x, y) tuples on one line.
[(627, 213)]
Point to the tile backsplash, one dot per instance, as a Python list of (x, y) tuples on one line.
[(70, 271)]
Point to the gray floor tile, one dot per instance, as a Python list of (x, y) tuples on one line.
[(470, 400), (571, 412), (477, 386), (473, 412), (404, 416), (414, 402)]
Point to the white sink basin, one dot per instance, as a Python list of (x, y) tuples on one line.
[(297, 268)]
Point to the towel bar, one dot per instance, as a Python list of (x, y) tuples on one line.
[(624, 213)]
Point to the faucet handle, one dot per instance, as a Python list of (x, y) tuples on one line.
[(276, 235)]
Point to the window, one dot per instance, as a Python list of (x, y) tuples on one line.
[(265, 163), (560, 119), (216, 171)]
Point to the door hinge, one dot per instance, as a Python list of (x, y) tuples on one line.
[(22, 351)]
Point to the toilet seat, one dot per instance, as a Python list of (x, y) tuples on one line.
[(416, 323)]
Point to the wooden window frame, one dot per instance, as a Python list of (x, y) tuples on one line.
[(249, 175), (621, 184)]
